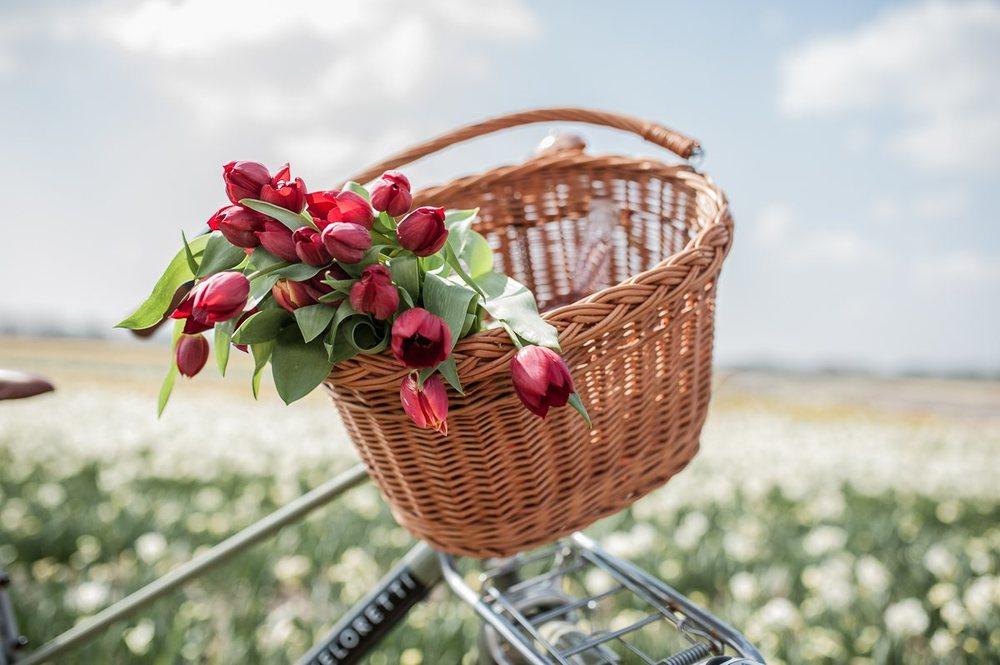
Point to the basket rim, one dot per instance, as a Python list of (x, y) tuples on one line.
[(702, 255)]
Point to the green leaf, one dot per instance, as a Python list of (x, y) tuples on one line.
[(339, 350), (384, 223), (261, 354), (358, 189), (510, 302), (406, 274), (477, 255), (298, 366), (219, 255), (448, 300), (405, 297), (261, 259), (260, 288), (168, 381), (460, 220), (223, 336), (344, 311), (450, 373), (154, 308), (293, 220), (299, 272), (470, 322), (577, 404), (314, 319), (262, 327), (452, 260), (341, 288), (361, 333), (189, 254)]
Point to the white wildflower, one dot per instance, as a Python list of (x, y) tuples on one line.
[(88, 597), (292, 568), (824, 539), (138, 638), (942, 643), (778, 614), (907, 617), (982, 597), (633, 543), (873, 577), (941, 562), (743, 586), (150, 546), (690, 531)]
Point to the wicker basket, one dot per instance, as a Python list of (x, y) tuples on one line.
[(640, 352)]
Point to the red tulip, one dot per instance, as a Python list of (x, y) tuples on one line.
[(284, 192), (309, 247), (427, 406), (375, 293), (346, 241), (191, 354), (277, 239), (541, 379), (422, 231), (217, 298), (244, 180), (238, 225), (292, 295), (392, 194), (345, 206), (420, 339)]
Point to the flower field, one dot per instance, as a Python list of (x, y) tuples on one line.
[(834, 519)]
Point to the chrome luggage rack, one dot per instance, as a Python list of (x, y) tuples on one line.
[(548, 606)]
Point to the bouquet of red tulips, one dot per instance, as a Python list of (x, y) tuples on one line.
[(308, 279)]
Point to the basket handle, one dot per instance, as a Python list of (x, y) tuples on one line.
[(665, 137)]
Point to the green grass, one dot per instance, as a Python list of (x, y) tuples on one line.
[(829, 530)]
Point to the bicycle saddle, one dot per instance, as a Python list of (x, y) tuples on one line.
[(17, 385)]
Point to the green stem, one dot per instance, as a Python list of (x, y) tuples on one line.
[(513, 335), (271, 268)]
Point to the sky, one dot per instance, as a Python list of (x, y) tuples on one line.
[(859, 143)]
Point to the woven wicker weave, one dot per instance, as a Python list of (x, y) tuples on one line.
[(640, 352)]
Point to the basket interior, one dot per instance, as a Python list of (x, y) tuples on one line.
[(537, 225)]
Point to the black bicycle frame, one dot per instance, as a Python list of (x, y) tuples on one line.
[(380, 611)]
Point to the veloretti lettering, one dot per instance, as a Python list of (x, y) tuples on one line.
[(345, 644)]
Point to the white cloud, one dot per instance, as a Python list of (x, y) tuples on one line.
[(329, 81), (936, 65), (959, 270), (793, 243)]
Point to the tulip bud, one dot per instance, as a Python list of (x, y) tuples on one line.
[(345, 206), (276, 238), (375, 293), (191, 354), (309, 247), (292, 295), (284, 192), (427, 406), (541, 379), (422, 231), (244, 180), (420, 339), (392, 194), (346, 241), (217, 298), (238, 225)]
